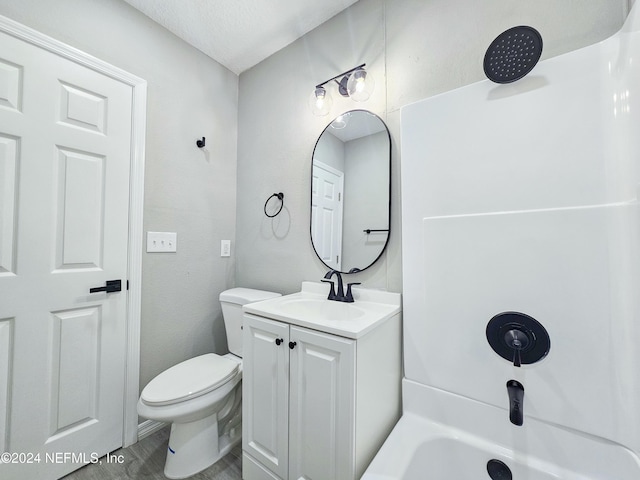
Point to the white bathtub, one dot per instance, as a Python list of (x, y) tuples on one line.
[(442, 436)]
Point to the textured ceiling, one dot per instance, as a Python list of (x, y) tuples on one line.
[(240, 33)]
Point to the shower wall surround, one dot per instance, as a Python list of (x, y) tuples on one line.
[(524, 198)]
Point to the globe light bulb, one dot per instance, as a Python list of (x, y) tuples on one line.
[(360, 85), (340, 122), (320, 102)]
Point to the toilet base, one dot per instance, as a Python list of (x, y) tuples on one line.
[(195, 446)]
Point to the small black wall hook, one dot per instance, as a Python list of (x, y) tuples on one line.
[(200, 143)]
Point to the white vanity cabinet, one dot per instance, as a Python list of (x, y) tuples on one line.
[(316, 405)]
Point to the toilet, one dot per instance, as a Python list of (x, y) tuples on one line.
[(201, 397)]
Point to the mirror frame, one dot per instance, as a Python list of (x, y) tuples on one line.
[(384, 247)]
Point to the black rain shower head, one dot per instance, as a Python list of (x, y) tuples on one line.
[(512, 54)]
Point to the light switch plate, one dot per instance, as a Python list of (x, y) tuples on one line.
[(162, 242), (225, 248)]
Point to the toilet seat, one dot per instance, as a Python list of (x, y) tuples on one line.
[(189, 379)]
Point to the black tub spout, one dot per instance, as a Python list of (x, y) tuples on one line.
[(516, 402)]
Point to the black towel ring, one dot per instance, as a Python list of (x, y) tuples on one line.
[(279, 196)]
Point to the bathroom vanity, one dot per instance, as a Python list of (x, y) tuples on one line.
[(321, 383)]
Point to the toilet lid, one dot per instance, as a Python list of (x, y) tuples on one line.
[(189, 379), (242, 296)]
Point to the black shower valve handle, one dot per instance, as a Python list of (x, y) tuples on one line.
[(517, 359), (518, 338)]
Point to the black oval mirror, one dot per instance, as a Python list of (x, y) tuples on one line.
[(351, 191)]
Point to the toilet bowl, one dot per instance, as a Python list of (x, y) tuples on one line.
[(202, 397)]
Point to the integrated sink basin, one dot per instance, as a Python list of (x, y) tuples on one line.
[(320, 309), (311, 308)]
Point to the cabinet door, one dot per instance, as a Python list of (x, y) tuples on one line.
[(265, 388), (322, 406)]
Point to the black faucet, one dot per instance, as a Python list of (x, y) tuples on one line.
[(339, 296), (516, 402)]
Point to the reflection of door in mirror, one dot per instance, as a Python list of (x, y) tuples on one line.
[(326, 208)]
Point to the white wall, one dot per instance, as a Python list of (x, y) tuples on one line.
[(415, 49), (187, 190)]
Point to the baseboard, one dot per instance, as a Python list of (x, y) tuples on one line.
[(149, 427)]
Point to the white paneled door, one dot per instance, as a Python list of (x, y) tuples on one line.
[(65, 152)]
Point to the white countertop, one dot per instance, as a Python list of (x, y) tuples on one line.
[(310, 308)]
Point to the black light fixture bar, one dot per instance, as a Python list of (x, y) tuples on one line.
[(340, 75)]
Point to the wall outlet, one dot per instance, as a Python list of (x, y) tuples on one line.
[(162, 242), (225, 248)]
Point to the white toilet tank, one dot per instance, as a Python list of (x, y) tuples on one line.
[(232, 301)]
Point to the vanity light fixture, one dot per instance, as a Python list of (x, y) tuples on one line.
[(356, 83)]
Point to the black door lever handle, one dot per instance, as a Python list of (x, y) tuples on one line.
[(110, 286)]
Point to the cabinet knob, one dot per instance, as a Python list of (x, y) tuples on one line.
[(292, 345), (279, 341)]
